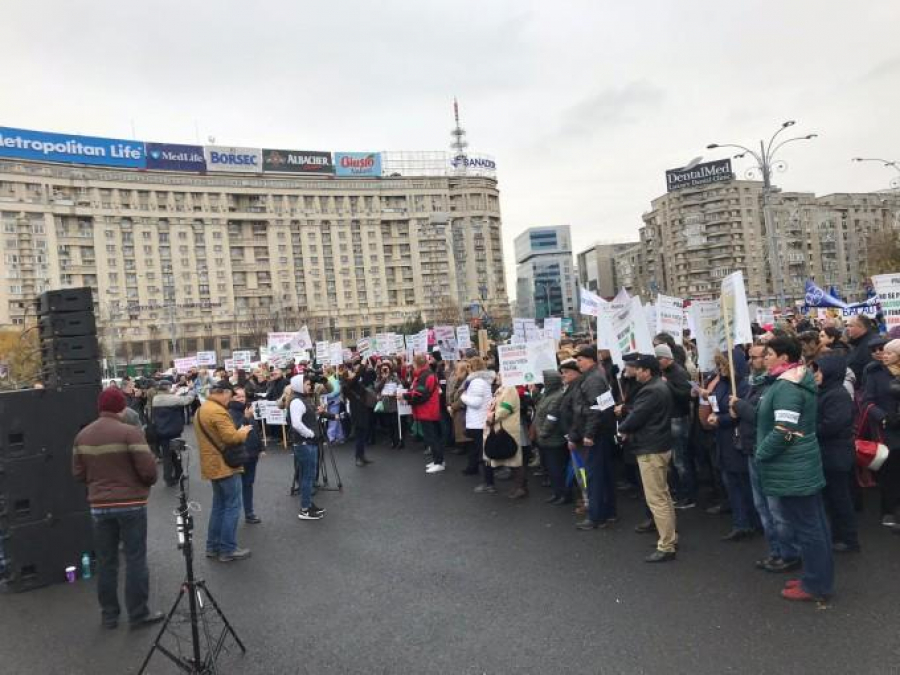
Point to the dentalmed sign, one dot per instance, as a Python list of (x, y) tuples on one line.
[(49, 147), (357, 163), (233, 160)]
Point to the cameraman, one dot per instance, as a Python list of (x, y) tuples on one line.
[(167, 420), (361, 412), (241, 412), (306, 434)]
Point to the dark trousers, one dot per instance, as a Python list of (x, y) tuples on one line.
[(476, 448), (806, 516), (171, 462), (247, 480), (740, 498), (434, 439), (389, 423), (601, 481), (889, 483), (839, 504), (361, 435), (557, 459), (128, 526)]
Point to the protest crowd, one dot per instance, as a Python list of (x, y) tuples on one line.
[(778, 429)]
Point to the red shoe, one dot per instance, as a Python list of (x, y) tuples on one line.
[(797, 593), (792, 583)]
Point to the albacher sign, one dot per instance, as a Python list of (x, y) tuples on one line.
[(702, 174), (297, 161)]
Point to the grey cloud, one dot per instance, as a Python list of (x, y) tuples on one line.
[(613, 107)]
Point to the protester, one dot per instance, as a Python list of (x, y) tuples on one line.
[(167, 416), (457, 410), (790, 465), (678, 381), (648, 429), (861, 331), (113, 459), (386, 409), (241, 412), (889, 473), (215, 433), (354, 390), (834, 431), (476, 397), (550, 435), (305, 437), (425, 398), (504, 413)]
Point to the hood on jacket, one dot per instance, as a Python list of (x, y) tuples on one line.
[(486, 375), (552, 381), (833, 368), (802, 377)]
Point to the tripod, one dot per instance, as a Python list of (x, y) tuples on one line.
[(196, 590), (322, 481)]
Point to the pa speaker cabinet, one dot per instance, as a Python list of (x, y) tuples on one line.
[(60, 374), (66, 300), (82, 347), (37, 422), (69, 324), (40, 488), (37, 554)]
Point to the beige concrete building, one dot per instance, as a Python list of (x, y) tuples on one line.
[(602, 269), (694, 237), (185, 262)]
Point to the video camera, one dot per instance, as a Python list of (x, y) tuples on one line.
[(315, 375)]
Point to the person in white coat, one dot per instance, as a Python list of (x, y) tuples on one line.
[(476, 397)]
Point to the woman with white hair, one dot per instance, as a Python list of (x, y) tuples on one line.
[(889, 474)]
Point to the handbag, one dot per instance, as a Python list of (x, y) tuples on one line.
[(870, 454), (234, 456), (499, 445)]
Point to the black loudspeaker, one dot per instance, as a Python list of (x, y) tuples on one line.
[(69, 324), (39, 488), (59, 374), (37, 554), (66, 300), (82, 347)]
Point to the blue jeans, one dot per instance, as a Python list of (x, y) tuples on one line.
[(601, 481), (740, 496), (780, 537), (806, 516), (129, 526), (305, 458), (221, 535), (683, 458), (335, 428), (247, 480)]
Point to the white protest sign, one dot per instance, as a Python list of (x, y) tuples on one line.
[(206, 358), (707, 316), (336, 353), (765, 316), (541, 357), (887, 288), (515, 368), (670, 316), (735, 313), (403, 407), (229, 365), (322, 353), (445, 341), (650, 318), (463, 337), (185, 364), (242, 359), (591, 303), (276, 416), (553, 327)]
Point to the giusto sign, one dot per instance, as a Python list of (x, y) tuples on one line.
[(297, 161), (233, 160), (702, 174), (357, 163), (171, 157), (49, 147)]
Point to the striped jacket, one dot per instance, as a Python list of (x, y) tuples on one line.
[(113, 459)]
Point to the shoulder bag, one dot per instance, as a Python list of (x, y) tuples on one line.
[(870, 455), (499, 445), (234, 456)]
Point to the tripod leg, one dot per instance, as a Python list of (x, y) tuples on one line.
[(228, 627), (334, 466), (159, 635)]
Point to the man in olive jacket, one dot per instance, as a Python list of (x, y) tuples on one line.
[(215, 433), (790, 464)]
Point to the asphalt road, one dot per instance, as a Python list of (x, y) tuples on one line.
[(409, 573)]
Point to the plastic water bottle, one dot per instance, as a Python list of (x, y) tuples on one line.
[(85, 565)]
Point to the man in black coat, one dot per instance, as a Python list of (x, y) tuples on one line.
[(648, 429), (679, 382), (834, 429), (861, 331)]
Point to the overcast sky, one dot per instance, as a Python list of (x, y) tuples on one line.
[(583, 104)]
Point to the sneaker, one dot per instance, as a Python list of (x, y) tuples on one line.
[(792, 583), (212, 554), (309, 514), (889, 520), (586, 524), (779, 565), (435, 468), (236, 554), (685, 504), (798, 594), (486, 490), (359, 462), (253, 519), (148, 620), (316, 509)]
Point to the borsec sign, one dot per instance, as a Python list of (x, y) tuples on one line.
[(233, 160), (702, 174)]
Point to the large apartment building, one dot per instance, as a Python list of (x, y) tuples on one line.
[(695, 236), (602, 269), (545, 278), (183, 261)]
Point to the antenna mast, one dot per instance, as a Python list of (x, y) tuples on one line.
[(459, 144)]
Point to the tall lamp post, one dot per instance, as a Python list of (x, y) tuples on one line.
[(547, 285), (893, 164), (766, 163)]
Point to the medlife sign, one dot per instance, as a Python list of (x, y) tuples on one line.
[(48, 147), (702, 174)]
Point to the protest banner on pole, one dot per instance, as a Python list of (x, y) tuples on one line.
[(206, 359), (706, 322), (445, 341), (591, 303), (184, 365), (670, 316), (335, 353), (735, 312), (651, 319), (463, 337), (887, 288), (514, 366), (553, 327)]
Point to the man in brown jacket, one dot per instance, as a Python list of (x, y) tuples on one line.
[(215, 432), (113, 458)]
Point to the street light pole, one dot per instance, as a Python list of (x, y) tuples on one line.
[(893, 164), (766, 163)]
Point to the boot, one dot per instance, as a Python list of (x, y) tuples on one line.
[(520, 487)]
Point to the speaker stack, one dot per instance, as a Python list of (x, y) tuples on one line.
[(45, 523)]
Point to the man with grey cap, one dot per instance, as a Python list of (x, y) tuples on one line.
[(167, 419), (648, 429), (550, 434), (679, 383)]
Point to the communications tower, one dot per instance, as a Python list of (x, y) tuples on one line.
[(459, 144)]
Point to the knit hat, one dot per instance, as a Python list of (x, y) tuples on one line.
[(297, 383), (663, 352), (111, 400), (894, 333), (587, 352)]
